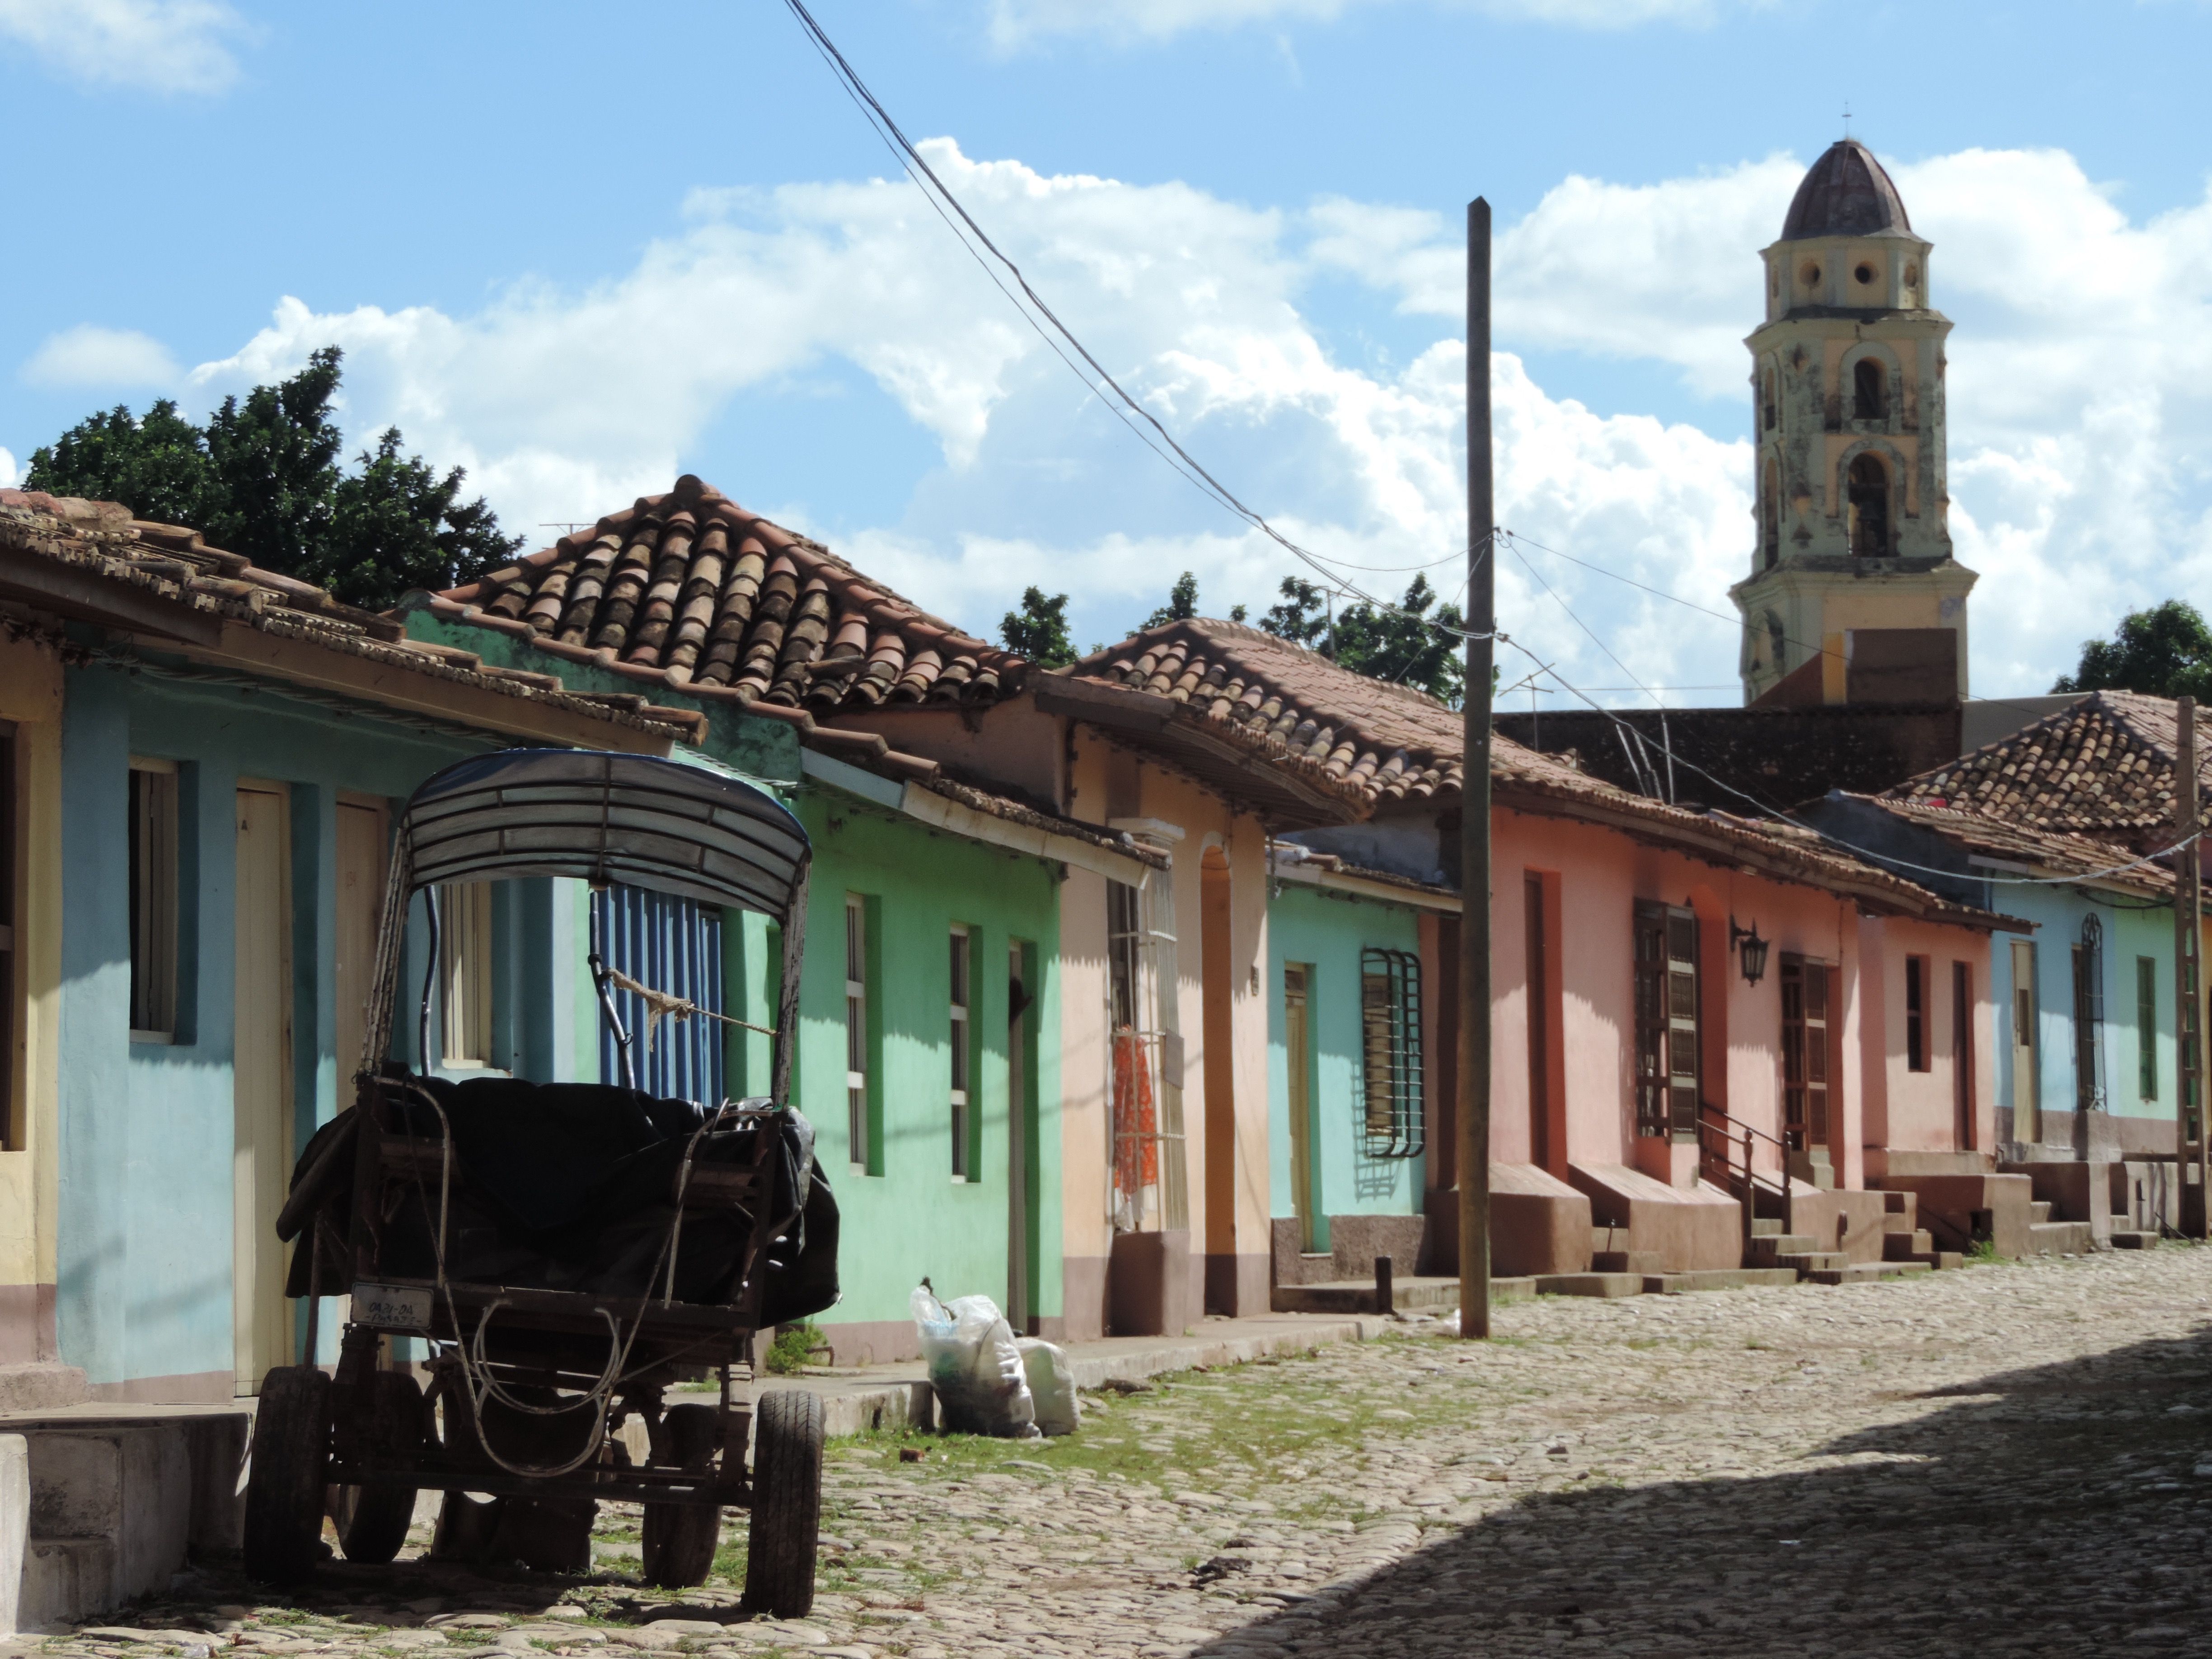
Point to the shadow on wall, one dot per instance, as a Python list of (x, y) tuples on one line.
[(2047, 1512)]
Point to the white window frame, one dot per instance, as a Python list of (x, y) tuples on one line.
[(465, 975), (152, 833), (959, 997), (856, 1030)]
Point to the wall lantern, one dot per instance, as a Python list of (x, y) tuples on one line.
[(1752, 948)]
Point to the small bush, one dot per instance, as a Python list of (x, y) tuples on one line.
[(794, 1347)]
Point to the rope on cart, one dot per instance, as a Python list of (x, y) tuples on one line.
[(665, 1005)]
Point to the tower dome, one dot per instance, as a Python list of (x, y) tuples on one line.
[(1846, 194)]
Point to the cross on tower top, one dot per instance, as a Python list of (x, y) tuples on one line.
[(1847, 117)]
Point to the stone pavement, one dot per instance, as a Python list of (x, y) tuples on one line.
[(2000, 1460)]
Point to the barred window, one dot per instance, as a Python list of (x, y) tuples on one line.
[(1666, 1020), (1390, 1022)]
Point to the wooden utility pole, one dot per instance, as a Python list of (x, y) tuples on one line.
[(1473, 1114), (2187, 981)]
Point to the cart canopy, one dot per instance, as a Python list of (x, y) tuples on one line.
[(598, 818)]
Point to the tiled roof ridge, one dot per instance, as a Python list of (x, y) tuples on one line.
[(701, 592), (1367, 741), (174, 563), (2104, 763), (2067, 850)]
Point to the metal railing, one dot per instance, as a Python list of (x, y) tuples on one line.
[(1718, 1148)]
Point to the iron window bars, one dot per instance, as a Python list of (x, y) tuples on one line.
[(1392, 1118)]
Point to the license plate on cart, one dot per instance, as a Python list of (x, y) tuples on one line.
[(392, 1307)]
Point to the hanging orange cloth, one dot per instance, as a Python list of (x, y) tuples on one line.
[(1136, 1123)]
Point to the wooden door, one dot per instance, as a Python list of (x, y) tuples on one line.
[(2026, 1121), (261, 1155), (1297, 1059), (359, 907), (1538, 993), (1017, 1142), (1805, 1054)]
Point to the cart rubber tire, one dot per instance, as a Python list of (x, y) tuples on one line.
[(284, 1532), (373, 1520), (786, 1518), (678, 1540)]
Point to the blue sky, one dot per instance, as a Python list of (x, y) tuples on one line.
[(581, 249)]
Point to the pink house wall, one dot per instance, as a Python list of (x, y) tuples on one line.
[(1602, 873)]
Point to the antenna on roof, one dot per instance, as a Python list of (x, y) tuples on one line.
[(566, 526)]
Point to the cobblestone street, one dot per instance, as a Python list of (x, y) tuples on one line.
[(2008, 1459)]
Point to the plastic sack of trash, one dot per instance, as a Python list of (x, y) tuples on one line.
[(974, 1366), (1052, 1385)]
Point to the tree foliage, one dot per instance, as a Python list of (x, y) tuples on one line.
[(1181, 606), (263, 478), (1038, 630), (1409, 643), (2165, 651)]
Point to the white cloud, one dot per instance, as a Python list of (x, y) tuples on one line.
[(90, 355), (8, 474), (161, 45), (564, 404), (1020, 22)]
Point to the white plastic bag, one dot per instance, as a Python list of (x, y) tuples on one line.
[(974, 1366), (1052, 1385)]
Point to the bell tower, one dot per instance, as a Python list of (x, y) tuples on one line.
[(1853, 594)]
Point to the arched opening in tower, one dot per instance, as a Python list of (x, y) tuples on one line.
[(1868, 494), (1770, 517), (1869, 399)]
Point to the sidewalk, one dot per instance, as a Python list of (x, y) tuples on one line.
[(894, 1396)]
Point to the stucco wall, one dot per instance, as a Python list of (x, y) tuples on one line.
[(1326, 932)]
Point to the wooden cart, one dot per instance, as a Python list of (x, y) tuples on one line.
[(538, 1361)]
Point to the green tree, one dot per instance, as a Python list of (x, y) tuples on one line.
[(397, 525), (2165, 651), (263, 478), (1038, 630), (1405, 643), (158, 466), (1181, 606)]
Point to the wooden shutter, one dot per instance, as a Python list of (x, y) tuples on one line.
[(1666, 1020)]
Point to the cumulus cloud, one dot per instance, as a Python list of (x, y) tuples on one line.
[(159, 46), (92, 356), (9, 475), (1020, 22), (564, 403)]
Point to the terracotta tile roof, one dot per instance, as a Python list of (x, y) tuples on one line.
[(690, 589), (1015, 811), (2102, 767), (170, 568), (1364, 740), (2048, 851)]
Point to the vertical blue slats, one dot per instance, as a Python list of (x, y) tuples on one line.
[(674, 945)]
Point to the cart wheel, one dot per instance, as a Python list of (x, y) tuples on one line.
[(786, 1518), (373, 1520), (679, 1539), (284, 1488)]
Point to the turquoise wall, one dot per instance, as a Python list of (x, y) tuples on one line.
[(1327, 931), (143, 1222)]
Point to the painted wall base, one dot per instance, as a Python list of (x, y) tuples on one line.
[(1083, 1295), (1237, 1286), (193, 1388), (1149, 1285), (27, 1325)]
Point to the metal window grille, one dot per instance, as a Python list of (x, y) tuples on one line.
[(464, 972), (153, 834), (2089, 1018), (675, 946), (1666, 1020), (957, 1038), (2147, 1028), (1916, 1013), (1804, 1054), (856, 1029), (1143, 1062), (1391, 1116)]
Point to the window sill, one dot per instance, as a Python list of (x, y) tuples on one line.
[(153, 1039)]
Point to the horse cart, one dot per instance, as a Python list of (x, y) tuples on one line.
[(566, 1254)]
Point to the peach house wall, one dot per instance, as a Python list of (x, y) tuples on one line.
[(1601, 874), (1919, 1109)]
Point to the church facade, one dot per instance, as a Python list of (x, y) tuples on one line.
[(1854, 595)]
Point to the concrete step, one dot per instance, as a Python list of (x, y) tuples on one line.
[(1356, 1296), (1813, 1261), (2059, 1237), (1907, 1246), (1899, 1221), (1765, 1227), (1898, 1203), (2130, 1240), (1607, 1284), (1861, 1272), (2038, 1212), (1768, 1249), (1627, 1261), (66, 1580), (1717, 1279)]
